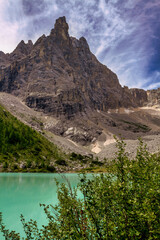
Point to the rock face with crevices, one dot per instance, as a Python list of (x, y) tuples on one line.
[(154, 97), (59, 76)]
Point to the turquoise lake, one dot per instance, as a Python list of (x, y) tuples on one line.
[(21, 193)]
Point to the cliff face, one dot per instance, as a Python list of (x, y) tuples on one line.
[(4, 59), (153, 97), (59, 75)]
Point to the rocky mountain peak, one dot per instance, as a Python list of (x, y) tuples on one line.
[(60, 76), (3, 59), (60, 31), (22, 50), (2, 54), (84, 43), (21, 46), (63, 77), (61, 24), (30, 44)]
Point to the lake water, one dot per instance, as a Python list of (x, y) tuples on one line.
[(21, 193)]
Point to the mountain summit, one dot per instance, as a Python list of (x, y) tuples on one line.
[(61, 29), (59, 76)]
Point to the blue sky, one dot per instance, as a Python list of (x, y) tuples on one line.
[(123, 34)]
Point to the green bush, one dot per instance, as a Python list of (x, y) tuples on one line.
[(51, 169), (75, 156), (97, 163), (123, 204), (61, 162), (29, 164), (5, 165)]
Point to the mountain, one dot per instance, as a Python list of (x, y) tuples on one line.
[(59, 74), (60, 77)]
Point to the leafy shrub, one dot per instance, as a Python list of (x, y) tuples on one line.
[(5, 165), (124, 204), (76, 156), (61, 162), (97, 163), (14, 167), (73, 155), (29, 164), (51, 168)]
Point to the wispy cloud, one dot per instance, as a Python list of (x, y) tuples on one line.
[(123, 34), (8, 30)]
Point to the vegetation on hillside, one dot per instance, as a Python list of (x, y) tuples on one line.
[(24, 149), (123, 204)]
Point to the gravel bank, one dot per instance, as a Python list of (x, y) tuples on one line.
[(152, 141)]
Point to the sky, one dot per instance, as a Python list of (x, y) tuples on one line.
[(123, 34)]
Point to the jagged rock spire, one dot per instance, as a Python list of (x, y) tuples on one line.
[(60, 30), (61, 24)]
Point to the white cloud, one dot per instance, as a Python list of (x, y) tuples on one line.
[(103, 8), (153, 85), (8, 30), (153, 81)]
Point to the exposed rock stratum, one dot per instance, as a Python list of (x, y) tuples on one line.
[(59, 76)]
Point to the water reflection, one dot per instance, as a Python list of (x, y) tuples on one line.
[(21, 193)]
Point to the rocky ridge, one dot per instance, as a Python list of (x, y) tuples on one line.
[(153, 97), (59, 76)]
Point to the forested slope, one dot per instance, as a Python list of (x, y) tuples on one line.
[(24, 149)]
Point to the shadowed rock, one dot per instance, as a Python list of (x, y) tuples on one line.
[(61, 77)]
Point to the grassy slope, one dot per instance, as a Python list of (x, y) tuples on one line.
[(24, 149)]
